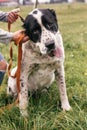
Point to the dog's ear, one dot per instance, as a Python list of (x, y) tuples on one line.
[(26, 27), (53, 13), (25, 24)]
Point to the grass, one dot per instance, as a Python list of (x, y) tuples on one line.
[(44, 111)]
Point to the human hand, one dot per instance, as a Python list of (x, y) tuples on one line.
[(3, 65), (18, 34), (13, 15)]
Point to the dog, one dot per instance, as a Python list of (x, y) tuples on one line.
[(42, 59)]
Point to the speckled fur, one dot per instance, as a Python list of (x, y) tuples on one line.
[(39, 71)]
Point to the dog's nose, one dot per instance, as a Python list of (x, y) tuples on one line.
[(50, 45)]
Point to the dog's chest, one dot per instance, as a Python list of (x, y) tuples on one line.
[(40, 76), (38, 69)]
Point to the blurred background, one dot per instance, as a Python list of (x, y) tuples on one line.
[(27, 2)]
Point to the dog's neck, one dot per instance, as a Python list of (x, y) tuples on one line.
[(31, 45)]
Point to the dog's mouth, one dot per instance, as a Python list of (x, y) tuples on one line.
[(57, 52)]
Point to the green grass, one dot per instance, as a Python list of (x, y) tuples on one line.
[(44, 111)]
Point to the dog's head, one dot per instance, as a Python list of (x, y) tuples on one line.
[(42, 28)]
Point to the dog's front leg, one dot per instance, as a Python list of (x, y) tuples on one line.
[(60, 78), (23, 97)]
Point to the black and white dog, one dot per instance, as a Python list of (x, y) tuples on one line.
[(43, 58)]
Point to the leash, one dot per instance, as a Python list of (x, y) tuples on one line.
[(35, 4), (18, 42), (17, 74)]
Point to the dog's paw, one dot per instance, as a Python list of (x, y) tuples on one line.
[(66, 106)]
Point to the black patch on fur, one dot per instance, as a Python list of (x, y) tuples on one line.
[(32, 28), (10, 89), (35, 12), (49, 20), (22, 84)]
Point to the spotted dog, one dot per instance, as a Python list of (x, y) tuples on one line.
[(42, 59)]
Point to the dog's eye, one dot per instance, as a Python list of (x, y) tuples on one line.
[(49, 26), (52, 27), (35, 31)]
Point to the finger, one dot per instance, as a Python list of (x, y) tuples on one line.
[(15, 15), (12, 17), (26, 38)]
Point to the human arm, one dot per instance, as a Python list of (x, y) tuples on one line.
[(20, 34), (7, 37), (11, 16), (3, 16)]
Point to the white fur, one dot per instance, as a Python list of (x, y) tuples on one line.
[(12, 86)]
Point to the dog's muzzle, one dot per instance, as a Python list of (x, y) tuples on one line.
[(52, 50), (50, 45)]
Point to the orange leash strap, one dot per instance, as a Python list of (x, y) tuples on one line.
[(10, 63), (19, 43), (17, 74), (11, 55), (11, 50)]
